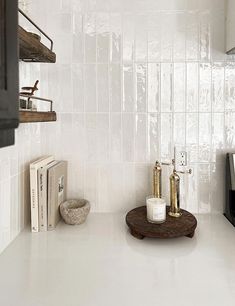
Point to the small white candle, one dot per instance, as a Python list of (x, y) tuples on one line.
[(156, 209)]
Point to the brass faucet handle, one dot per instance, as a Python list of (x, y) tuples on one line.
[(189, 171), (166, 164)]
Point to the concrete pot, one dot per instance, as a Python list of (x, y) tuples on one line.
[(75, 211)]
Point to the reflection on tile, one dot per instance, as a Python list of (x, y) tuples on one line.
[(128, 124), (166, 136), (205, 88), (128, 88), (102, 88), (141, 87), (115, 137), (90, 88), (78, 87), (179, 87), (90, 130), (115, 29), (192, 35), (154, 78), (154, 37), (192, 87), (90, 38), (218, 87), (115, 82), (204, 137), (166, 87), (153, 137), (230, 86), (128, 37), (179, 36), (205, 35), (217, 136), (229, 130), (192, 136), (179, 129), (141, 138), (102, 137), (103, 37), (167, 37), (141, 38)]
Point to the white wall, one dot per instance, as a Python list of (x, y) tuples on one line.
[(14, 175), (132, 79)]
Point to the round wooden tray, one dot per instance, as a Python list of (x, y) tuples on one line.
[(173, 227)]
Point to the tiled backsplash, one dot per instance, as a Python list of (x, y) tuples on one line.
[(133, 78)]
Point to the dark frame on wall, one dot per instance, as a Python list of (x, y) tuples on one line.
[(9, 110)]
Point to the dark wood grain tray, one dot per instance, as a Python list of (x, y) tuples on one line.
[(139, 226)]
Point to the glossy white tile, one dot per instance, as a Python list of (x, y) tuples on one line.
[(192, 87), (128, 29), (205, 88), (166, 87), (141, 38), (90, 37), (115, 81), (154, 83), (179, 87), (128, 134), (90, 94), (103, 87), (116, 37), (128, 88), (103, 37), (141, 138), (192, 35), (132, 79), (141, 87), (115, 137)]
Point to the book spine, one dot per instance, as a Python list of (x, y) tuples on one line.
[(42, 203), (34, 199), (51, 198)]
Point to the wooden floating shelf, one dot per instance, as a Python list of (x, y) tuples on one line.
[(32, 50), (32, 116)]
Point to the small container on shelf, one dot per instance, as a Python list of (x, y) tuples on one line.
[(156, 209)]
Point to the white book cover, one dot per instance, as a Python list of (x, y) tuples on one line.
[(42, 195), (57, 189), (34, 189)]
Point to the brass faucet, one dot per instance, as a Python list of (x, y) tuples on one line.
[(157, 179), (175, 191)]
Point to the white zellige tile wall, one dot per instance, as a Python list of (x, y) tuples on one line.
[(133, 79), (14, 174)]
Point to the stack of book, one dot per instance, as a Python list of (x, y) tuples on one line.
[(48, 186)]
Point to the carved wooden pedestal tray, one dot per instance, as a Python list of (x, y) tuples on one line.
[(139, 226)]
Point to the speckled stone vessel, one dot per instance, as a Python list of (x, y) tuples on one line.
[(75, 211)]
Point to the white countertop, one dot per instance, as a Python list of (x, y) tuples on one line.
[(100, 264)]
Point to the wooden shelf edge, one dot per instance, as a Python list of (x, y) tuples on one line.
[(32, 50), (32, 116)]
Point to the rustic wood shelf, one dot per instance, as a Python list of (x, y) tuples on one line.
[(32, 116), (32, 50)]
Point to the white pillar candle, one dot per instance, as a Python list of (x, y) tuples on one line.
[(156, 209)]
